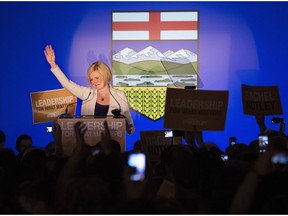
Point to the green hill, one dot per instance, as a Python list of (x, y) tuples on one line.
[(153, 68)]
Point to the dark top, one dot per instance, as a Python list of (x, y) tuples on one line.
[(101, 110)]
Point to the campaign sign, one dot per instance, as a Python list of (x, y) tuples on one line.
[(187, 109), (154, 142), (48, 105), (263, 100)]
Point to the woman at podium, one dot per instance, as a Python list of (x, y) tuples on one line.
[(99, 100)]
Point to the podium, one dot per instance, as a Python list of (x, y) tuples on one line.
[(95, 126)]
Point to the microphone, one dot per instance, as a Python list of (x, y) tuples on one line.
[(66, 115), (116, 112)]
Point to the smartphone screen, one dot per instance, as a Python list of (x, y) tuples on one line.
[(281, 158), (232, 141), (138, 162), (224, 157), (49, 129), (168, 133), (94, 150), (263, 142)]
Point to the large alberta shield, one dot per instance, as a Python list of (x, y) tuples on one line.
[(153, 50)]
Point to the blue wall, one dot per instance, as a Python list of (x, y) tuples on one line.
[(240, 43)]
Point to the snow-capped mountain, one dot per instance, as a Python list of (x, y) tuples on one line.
[(149, 53), (124, 55), (168, 52), (183, 56), (129, 56)]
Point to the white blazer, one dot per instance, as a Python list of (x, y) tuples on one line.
[(118, 99)]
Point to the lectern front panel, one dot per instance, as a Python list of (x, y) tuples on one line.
[(95, 126)]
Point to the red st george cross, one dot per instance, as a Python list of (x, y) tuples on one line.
[(154, 26)]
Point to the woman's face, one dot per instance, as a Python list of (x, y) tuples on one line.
[(97, 80)]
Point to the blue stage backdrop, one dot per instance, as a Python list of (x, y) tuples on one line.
[(240, 43)]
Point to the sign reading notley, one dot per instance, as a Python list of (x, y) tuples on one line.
[(264, 100), (187, 109), (154, 143)]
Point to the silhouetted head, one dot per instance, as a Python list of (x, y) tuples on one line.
[(23, 142)]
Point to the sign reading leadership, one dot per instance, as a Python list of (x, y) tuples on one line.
[(47, 105), (187, 109), (95, 128), (264, 100)]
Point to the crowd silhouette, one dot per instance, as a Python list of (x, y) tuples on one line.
[(190, 178)]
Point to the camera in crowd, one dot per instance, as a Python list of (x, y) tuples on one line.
[(49, 129), (137, 161), (280, 158), (277, 120), (263, 142), (232, 141)]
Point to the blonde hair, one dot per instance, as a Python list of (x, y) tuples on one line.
[(102, 68)]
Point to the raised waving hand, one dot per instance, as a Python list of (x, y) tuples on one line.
[(50, 56)]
